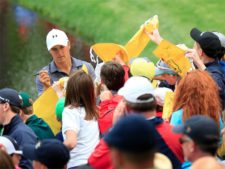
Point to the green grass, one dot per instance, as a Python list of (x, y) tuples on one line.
[(117, 20)]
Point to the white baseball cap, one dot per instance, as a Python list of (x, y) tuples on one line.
[(135, 87), (56, 37), (10, 144)]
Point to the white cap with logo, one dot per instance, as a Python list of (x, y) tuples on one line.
[(56, 37)]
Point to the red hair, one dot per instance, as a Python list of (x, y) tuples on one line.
[(197, 94)]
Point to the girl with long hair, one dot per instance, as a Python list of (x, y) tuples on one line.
[(79, 119), (196, 94)]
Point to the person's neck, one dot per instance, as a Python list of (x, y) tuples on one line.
[(148, 165), (9, 118), (207, 59), (27, 117), (65, 66), (149, 114), (199, 154)]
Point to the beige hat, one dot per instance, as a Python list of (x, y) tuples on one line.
[(162, 162)]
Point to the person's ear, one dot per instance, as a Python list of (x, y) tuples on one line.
[(6, 107), (201, 53), (192, 146)]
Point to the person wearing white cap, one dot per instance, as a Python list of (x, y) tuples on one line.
[(12, 148), (63, 63), (139, 98)]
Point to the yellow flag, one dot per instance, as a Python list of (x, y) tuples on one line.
[(174, 57), (44, 107), (154, 83), (168, 105), (140, 40), (107, 51)]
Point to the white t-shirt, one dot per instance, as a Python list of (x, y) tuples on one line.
[(87, 134)]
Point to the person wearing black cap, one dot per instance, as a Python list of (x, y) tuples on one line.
[(208, 50), (10, 104), (129, 150), (47, 154), (200, 137)]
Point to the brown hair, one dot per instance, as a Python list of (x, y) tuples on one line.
[(197, 94), (27, 110), (15, 109), (80, 92), (5, 160), (150, 105), (112, 75)]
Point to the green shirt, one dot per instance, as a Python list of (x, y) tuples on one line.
[(40, 127)]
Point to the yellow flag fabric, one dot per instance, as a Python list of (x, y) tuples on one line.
[(154, 83), (140, 40), (107, 51), (44, 107), (221, 149), (174, 57), (84, 68), (168, 105)]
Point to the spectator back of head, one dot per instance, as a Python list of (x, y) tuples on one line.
[(112, 75), (203, 130), (50, 152), (122, 136), (138, 93)]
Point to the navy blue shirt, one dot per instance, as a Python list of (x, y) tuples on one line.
[(23, 135), (217, 73), (55, 74)]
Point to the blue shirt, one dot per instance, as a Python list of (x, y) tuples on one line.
[(23, 135), (218, 74), (176, 119), (55, 74)]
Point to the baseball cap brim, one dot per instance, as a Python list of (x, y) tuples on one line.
[(18, 152), (159, 72), (132, 97), (178, 129), (195, 34), (57, 42), (29, 152)]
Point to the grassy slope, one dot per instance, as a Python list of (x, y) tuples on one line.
[(117, 20)]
